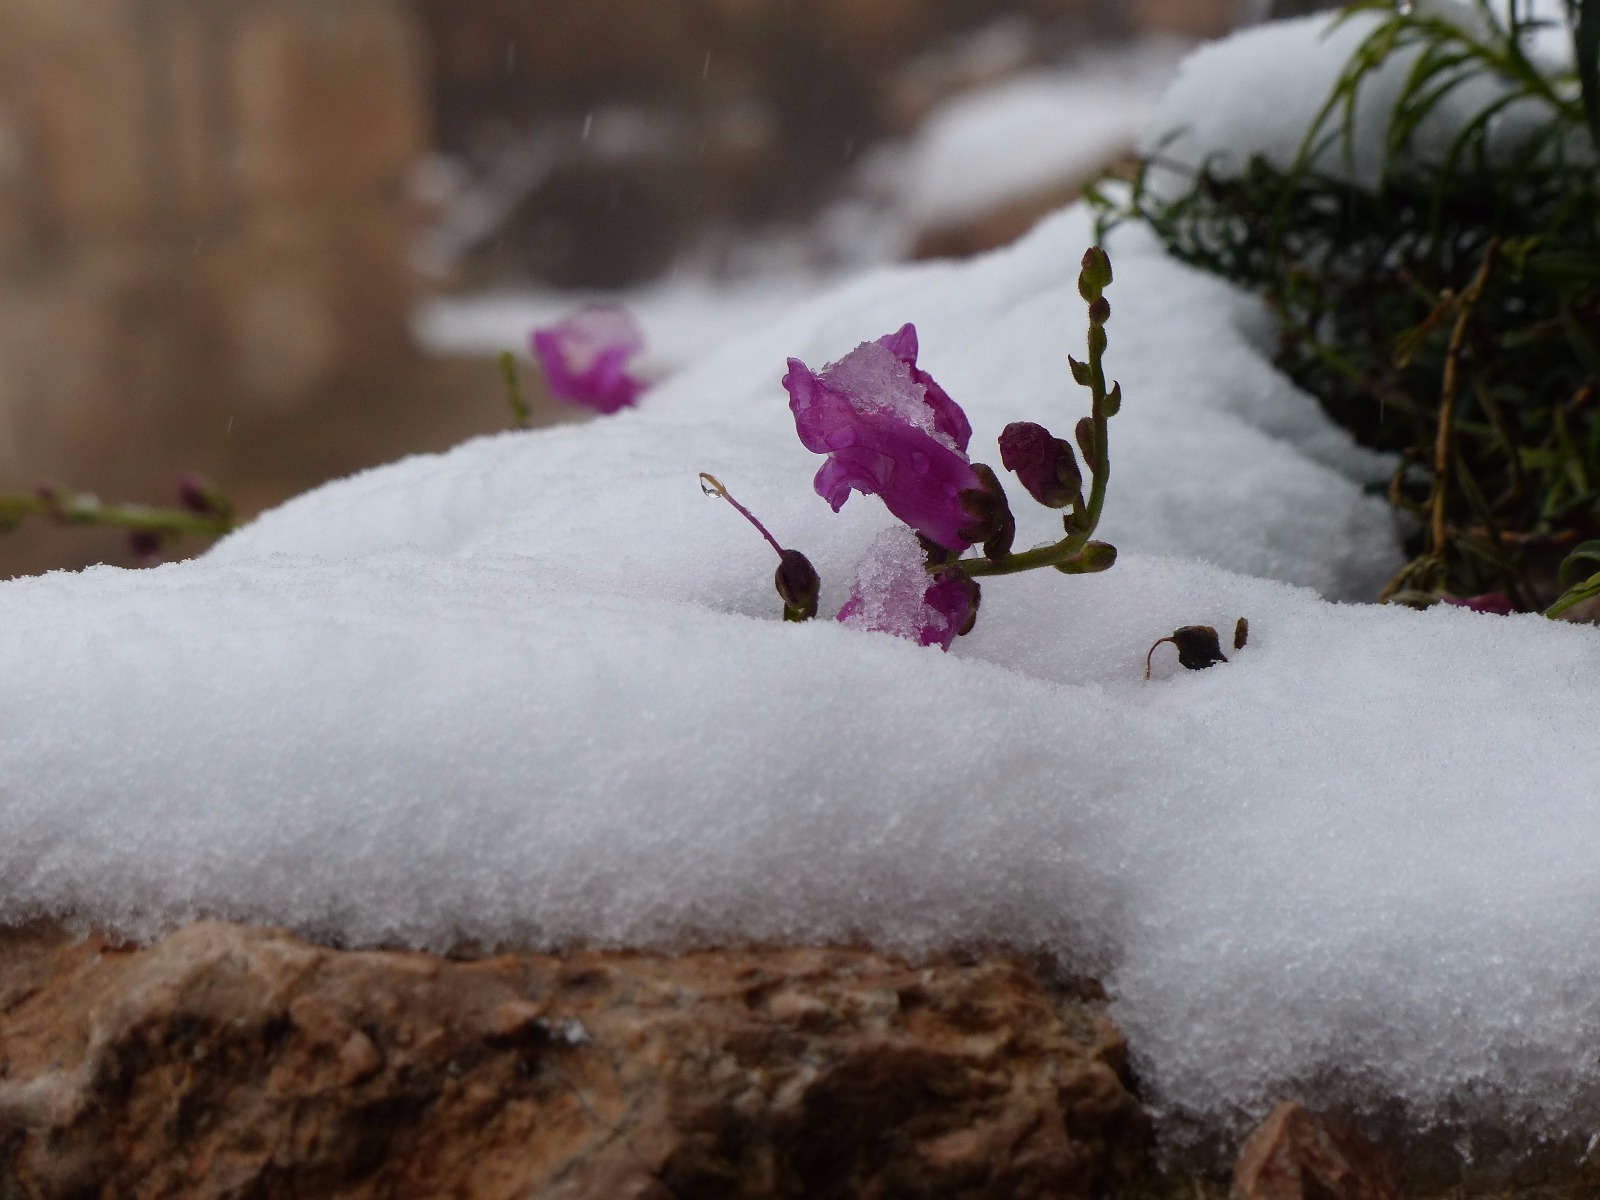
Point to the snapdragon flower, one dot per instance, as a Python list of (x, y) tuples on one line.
[(891, 431), (585, 358)]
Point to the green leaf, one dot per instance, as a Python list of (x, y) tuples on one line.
[(1588, 552), (1586, 35), (1584, 591)]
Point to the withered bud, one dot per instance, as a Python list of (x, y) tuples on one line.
[(1199, 647), (988, 507), (1241, 634), (999, 546), (936, 554), (799, 586)]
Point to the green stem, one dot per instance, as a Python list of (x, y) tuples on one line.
[(521, 414), (80, 508), (1016, 564), (1074, 544)]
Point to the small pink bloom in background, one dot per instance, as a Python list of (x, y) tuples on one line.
[(585, 358), (888, 430), (1497, 603), (894, 594)]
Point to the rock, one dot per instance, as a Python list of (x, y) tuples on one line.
[(1191, 18), (1297, 1154), (229, 1061)]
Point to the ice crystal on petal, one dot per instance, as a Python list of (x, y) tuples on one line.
[(894, 594), (888, 430)]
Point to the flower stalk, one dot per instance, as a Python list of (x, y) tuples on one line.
[(84, 508), (796, 580), (1077, 553)]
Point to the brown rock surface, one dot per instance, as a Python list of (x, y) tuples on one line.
[(1297, 1154), (228, 1061)]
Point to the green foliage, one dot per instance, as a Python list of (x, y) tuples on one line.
[(521, 414), (203, 512), (1451, 313)]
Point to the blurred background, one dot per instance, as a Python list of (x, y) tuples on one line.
[(280, 240)]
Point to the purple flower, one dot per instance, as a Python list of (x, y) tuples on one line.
[(894, 594), (1496, 603), (585, 358), (888, 430)]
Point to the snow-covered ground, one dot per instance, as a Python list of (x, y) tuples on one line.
[(537, 690)]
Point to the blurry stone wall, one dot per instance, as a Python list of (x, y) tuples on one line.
[(209, 220), (616, 130), (760, 107), (204, 236)]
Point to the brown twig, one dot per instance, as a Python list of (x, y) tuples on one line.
[(1466, 307)]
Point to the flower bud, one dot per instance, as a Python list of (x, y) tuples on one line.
[(1497, 603), (799, 586), (1096, 274), (202, 497), (956, 596), (1086, 443), (146, 546), (1043, 462), (1091, 560)]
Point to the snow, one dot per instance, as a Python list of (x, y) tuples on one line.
[(1031, 136), (891, 588), (1215, 115), (683, 319), (878, 382), (536, 691)]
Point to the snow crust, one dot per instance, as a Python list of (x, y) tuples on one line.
[(535, 690)]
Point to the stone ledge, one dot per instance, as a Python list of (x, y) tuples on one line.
[(232, 1061)]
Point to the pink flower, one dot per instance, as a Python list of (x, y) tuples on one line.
[(585, 358), (894, 594), (888, 430)]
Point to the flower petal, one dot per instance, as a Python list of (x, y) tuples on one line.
[(585, 358)]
